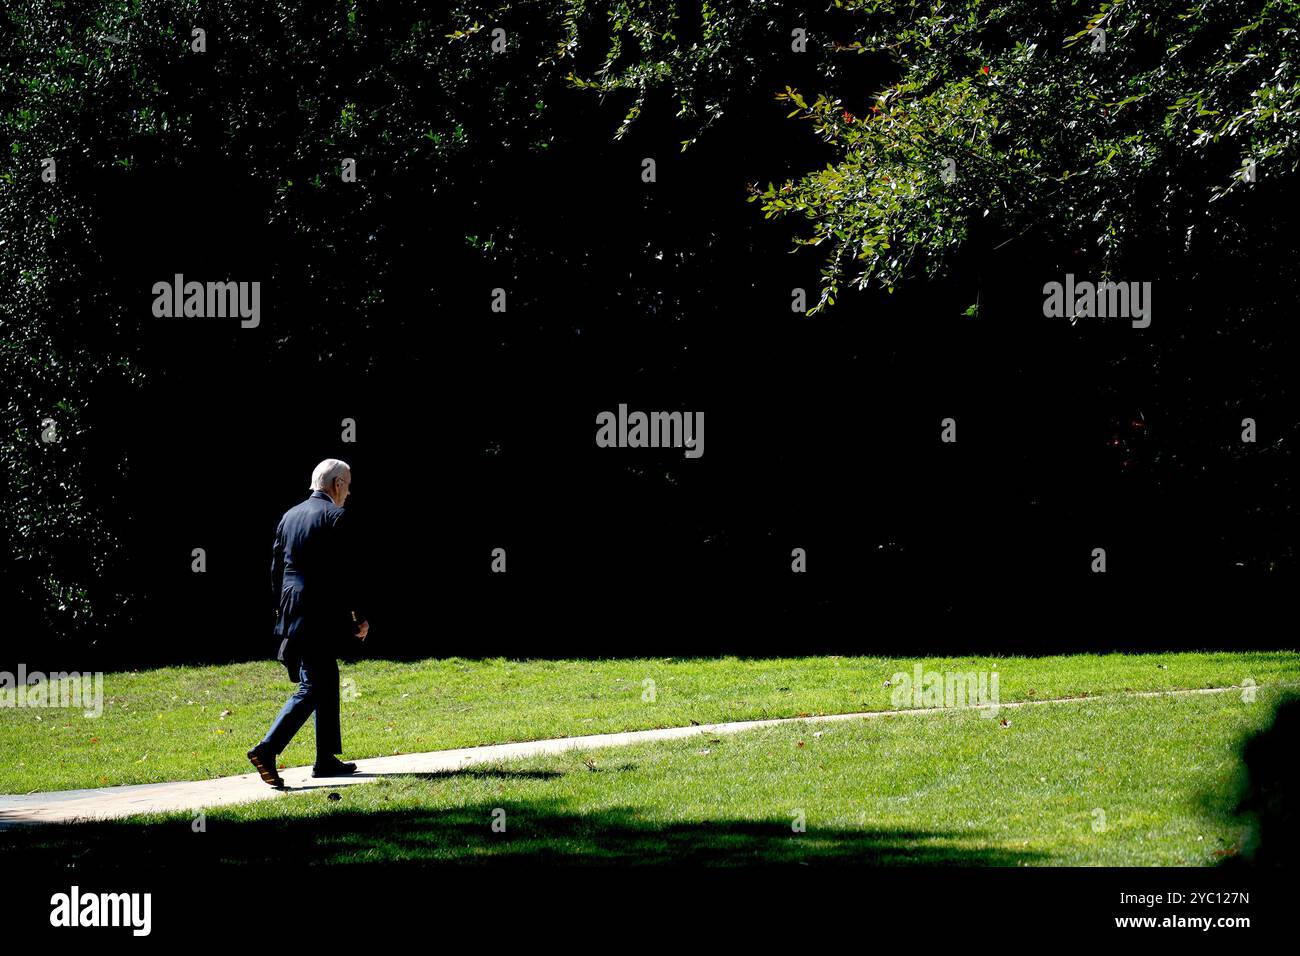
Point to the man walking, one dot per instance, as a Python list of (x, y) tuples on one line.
[(313, 586)]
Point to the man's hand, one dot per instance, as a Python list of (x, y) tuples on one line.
[(362, 630)]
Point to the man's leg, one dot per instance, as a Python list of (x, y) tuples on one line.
[(329, 733), (294, 714)]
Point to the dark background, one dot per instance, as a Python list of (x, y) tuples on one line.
[(475, 430)]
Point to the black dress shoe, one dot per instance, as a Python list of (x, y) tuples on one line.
[(335, 768), (264, 761)]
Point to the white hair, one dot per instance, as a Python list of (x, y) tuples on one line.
[(322, 477)]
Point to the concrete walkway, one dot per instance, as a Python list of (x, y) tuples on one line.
[(112, 802)]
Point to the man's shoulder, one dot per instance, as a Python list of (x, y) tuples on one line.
[(312, 506), (333, 514)]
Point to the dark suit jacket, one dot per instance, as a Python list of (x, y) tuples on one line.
[(314, 565)]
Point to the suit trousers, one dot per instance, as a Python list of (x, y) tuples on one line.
[(318, 693)]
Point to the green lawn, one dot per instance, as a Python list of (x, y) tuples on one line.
[(1128, 781), (167, 724)]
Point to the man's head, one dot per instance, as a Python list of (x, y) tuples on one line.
[(333, 477)]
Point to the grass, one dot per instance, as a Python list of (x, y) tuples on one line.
[(1122, 781), (192, 723)]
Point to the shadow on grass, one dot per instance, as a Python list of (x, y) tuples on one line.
[(482, 773), (538, 831), (1267, 791), (327, 783)]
